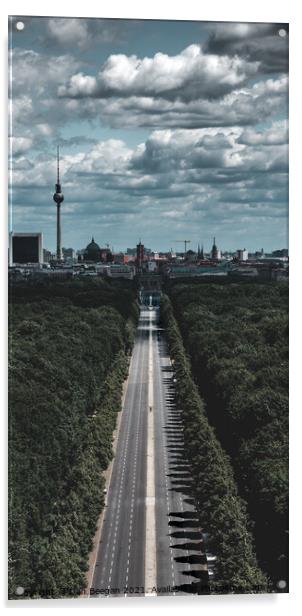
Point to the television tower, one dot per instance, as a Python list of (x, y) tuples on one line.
[(58, 198)]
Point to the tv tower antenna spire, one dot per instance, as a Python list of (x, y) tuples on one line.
[(58, 164)]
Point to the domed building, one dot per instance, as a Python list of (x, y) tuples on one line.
[(92, 252)]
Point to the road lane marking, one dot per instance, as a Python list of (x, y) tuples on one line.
[(150, 554)]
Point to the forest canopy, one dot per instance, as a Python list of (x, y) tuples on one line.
[(236, 336), (68, 347)]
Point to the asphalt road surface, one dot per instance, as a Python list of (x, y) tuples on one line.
[(179, 564)]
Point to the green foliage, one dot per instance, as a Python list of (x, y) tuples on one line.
[(221, 511), (236, 336), (67, 365)]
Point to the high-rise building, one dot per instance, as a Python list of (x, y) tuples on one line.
[(25, 248), (58, 198)]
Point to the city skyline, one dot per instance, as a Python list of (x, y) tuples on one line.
[(166, 130), (206, 247)]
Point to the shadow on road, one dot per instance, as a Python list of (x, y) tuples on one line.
[(184, 523)]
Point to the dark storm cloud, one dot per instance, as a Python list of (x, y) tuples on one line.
[(254, 42)]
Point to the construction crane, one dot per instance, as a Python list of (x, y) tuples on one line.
[(185, 242)]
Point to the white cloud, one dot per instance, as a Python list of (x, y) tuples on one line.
[(35, 74), (203, 166), (175, 176), (68, 31), (110, 156), (220, 148), (79, 85), (240, 107), (19, 145), (20, 108), (84, 33), (188, 75), (45, 129), (277, 134), (259, 159)]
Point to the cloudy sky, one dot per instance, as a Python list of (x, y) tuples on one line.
[(167, 130)]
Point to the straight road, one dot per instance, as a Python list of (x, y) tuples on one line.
[(121, 553), (148, 501)]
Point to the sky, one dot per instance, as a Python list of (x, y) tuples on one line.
[(168, 130)]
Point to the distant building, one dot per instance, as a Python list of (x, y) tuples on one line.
[(47, 256), (215, 253), (122, 258), (106, 254), (190, 256), (120, 271), (80, 255), (242, 255), (25, 248), (119, 257), (69, 254), (151, 266), (92, 252), (133, 251), (139, 255)]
